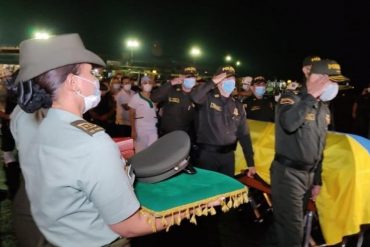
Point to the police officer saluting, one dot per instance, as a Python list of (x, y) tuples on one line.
[(221, 123), (178, 109), (301, 126)]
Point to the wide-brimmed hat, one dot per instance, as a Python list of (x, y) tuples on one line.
[(37, 56), (330, 68)]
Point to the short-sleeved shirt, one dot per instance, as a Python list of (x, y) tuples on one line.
[(75, 179), (145, 110), (123, 115)]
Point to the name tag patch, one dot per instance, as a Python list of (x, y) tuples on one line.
[(216, 107)]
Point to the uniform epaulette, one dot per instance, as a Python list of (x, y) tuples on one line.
[(87, 127)]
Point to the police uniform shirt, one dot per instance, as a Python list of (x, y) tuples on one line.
[(259, 109), (23, 127), (221, 120), (75, 179), (178, 109), (301, 128)]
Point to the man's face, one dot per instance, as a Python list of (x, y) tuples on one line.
[(126, 82), (259, 88)]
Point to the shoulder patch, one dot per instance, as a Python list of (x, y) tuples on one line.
[(286, 101), (87, 127)]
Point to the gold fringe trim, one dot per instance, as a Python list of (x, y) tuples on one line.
[(200, 208)]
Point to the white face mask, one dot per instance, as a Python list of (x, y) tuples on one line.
[(127, 87), (330, 92), (116, 86), (147, 88), (92, 100)]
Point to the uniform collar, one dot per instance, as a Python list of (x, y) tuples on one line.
[(62, 115)]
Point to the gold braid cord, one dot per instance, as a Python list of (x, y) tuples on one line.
[(200, 208)]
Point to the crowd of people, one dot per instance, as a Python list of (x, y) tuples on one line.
[(57, 93)]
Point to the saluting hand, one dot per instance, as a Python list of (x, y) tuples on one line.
[(218, 78), (316, 84), (177, 81)]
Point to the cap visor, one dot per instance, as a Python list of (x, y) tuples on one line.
[(338, 78)]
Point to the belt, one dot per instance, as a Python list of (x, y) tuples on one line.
[(298, 165), (217, 148)]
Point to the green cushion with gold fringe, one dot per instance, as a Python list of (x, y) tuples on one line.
[(194, 193)]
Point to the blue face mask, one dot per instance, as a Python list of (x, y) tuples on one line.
[(228, 86), (260, 91), (330, 92), (189, 83)]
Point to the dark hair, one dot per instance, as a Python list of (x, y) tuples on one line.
[(50, 81)]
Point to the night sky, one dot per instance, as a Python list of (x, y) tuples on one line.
[(269, 37)]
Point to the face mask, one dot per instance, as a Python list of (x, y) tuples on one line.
[(92, 100), (147, 88), (245, 87), (228, 86), (116, 86), (260, 91), (189, 83), (127, 87), (330, 92)]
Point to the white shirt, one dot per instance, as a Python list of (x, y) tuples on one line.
[(122, 115), (145, 109)]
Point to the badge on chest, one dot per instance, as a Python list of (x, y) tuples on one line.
[(173, 100), (215, 106)]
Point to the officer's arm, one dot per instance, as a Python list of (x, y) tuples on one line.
[(245, 140), (161, 94), (137, 224), (292, 110), (199, 93)]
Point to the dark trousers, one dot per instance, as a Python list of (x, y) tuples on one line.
[(214, 227), (290, 191), (218, 162)]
